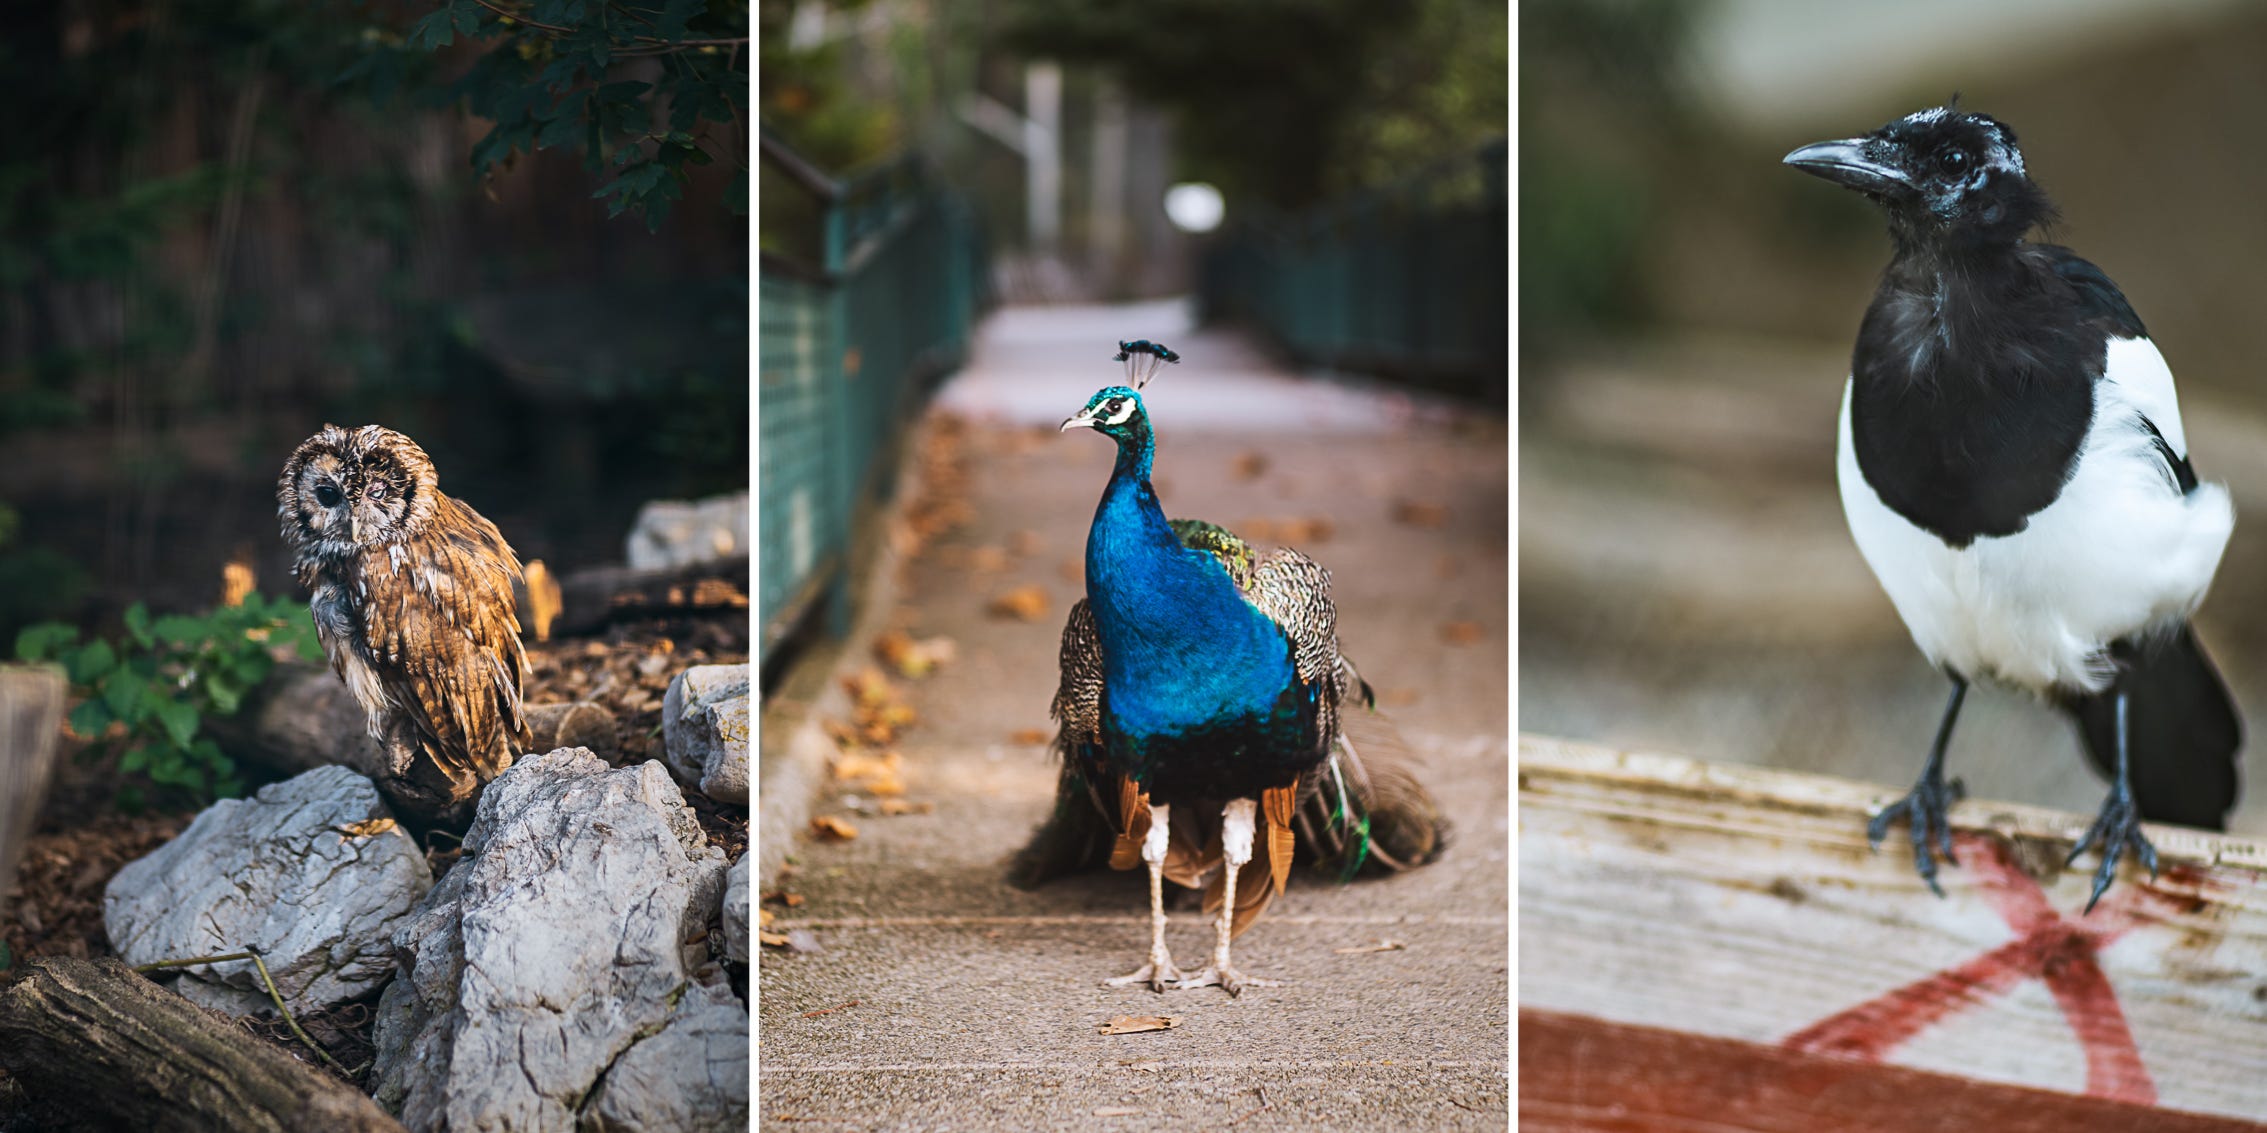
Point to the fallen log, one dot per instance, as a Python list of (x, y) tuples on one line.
[(302, 717), (96, 1040)]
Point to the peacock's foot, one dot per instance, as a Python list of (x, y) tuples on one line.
[(2116, 829), (1924, 813), (1221, 975), (1159, 973)]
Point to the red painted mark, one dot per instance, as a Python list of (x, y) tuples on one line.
[(2064, 953)]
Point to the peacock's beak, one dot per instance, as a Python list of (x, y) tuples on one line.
[(1081, 420)]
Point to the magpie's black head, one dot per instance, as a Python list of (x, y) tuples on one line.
[(1945, 177)]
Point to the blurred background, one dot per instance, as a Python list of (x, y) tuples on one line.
[(226, 222), (1327, 174), (1687, 312)]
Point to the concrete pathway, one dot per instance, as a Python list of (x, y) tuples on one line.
[(976, 1006)]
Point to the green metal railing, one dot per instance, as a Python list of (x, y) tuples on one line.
[(1409, 280), (852, 338)]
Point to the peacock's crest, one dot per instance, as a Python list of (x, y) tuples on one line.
[(1143, 359)]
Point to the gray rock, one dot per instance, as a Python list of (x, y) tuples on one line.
[(704, 730), (677, 533), (551, 951), (692, 1077), (274, 872), (736, 912)]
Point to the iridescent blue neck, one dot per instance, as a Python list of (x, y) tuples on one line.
[(1181, 647)]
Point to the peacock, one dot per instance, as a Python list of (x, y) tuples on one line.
[(1210, 726)]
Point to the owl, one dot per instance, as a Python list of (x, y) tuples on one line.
[(412, 598)]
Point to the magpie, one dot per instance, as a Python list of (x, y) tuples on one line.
[(2013, 469)]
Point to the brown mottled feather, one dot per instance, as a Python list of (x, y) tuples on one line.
[(416, 607)]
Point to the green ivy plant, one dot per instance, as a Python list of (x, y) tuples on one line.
[(164, 679), (645, 89)]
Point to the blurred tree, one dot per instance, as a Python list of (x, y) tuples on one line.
[(808, 92), (643, 91), (1600, 100), (1288, 101)]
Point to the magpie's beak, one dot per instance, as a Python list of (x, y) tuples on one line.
[(1845, 163), (1079, 420)]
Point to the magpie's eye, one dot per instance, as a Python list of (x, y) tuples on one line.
[(327, 496), (377, 491), (1954, 160)]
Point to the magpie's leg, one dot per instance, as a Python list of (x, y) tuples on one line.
[(1159, 971), (1239, 824), (1924, 808), (2118, 827)]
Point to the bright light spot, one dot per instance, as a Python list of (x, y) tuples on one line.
[(1194, 206)]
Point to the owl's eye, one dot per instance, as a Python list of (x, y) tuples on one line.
[(327, 496), (376, 491)]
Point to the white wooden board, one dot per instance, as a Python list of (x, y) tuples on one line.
[(1743, 902)]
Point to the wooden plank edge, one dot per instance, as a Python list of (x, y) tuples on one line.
[(1544, 760), (1582, 1074)]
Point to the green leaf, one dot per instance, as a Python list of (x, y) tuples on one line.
[(179, 720), (181, 630), (90, 717), (136, 759), (138, 624), (41, 642), (226, 697), (433, 32), (125, 691), (90, 664)]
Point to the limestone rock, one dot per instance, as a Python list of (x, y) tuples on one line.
[(676, 533), (736, 912), (278, 872), (692, 1077), (550, 953), (704, 730)]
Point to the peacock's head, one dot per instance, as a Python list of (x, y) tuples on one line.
[(1115, 413)]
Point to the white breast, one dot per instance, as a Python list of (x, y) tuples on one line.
[(2120, 551)]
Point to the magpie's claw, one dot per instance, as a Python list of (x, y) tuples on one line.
[(1924, 811), (2116, 829)]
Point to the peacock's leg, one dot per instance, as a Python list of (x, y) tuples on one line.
[(1159, 971), (1237, 829)]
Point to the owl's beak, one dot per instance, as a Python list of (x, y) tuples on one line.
[(353, 528)]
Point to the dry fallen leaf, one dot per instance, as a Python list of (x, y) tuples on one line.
[(1250, 465), (1136, 1024), (893, 807), (772, 939), (1417, 513), (367, 828), (1029, 736), (1026, 543), (791, 900), (852, 765), (911, 658), (1380, 946), (988, 560), (1025, 603), (1461, 633), (829, 828), (763, 918)]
